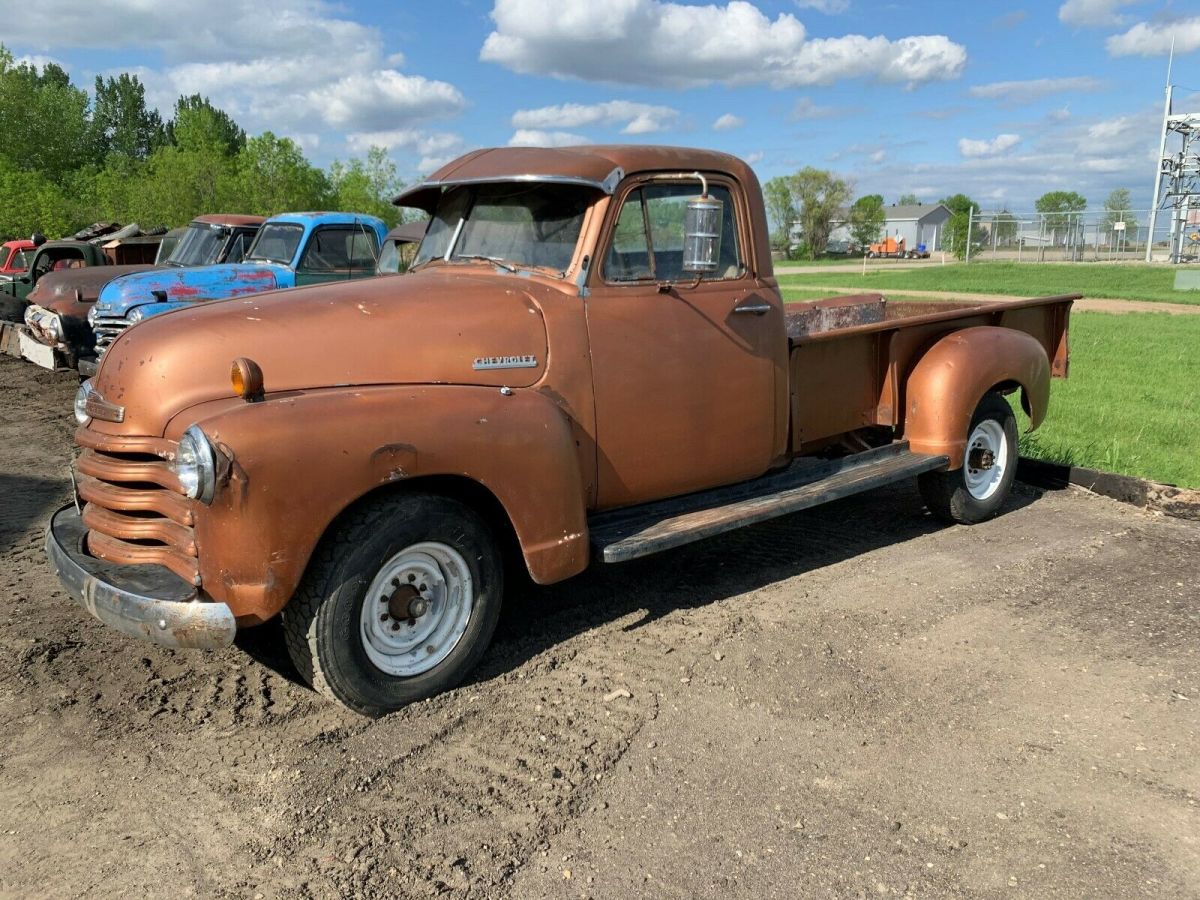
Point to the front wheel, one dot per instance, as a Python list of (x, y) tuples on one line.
[(399, 603), (976, 491)]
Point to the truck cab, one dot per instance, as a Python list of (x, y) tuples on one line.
[(14, 258), (589, 360), (289, 250)]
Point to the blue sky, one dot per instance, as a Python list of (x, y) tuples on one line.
[(1000, 101)]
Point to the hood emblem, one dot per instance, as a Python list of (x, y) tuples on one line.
[(505, 362)]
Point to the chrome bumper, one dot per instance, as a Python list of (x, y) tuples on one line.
[(147, 602)]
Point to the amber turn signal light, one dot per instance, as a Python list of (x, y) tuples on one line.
[(247, 378)]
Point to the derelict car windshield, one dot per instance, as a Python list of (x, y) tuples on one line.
[(516, 225), (199, 246), (276, 242)]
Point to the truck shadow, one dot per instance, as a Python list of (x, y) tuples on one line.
[(26, 502), (536, 619)]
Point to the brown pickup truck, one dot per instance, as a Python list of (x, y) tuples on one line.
[(589, 361)]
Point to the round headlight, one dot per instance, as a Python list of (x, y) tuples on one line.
[(54, 328), (91, 316), (194, 465), (136, 315), (81, 398)]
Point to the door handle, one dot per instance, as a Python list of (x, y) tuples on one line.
[(753, 309)]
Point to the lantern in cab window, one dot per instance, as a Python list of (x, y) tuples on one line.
[(702, 232)]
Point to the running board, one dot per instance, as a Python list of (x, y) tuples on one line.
[(625, 534)]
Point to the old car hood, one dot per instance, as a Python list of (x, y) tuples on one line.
[(433, 327), (193, 284), (69, 292)]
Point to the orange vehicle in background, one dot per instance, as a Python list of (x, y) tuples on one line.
[(589, 361)]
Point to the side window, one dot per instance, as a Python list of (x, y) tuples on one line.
[(238, 246), (19, 261), (657, 254), (340, 248)]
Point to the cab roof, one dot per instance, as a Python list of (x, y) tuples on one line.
[(599, 166), (329, 218), (232, 220)]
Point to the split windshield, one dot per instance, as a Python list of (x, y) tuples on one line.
[(199, 246), (521, 225), (276, 242)]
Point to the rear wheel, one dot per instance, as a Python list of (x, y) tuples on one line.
[(399, 603), (976, 491)]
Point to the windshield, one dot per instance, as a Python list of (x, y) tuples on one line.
[(19, 261), (276, 242), (531, 225), (199, 246)]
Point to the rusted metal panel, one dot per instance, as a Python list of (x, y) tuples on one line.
[(834, 313)]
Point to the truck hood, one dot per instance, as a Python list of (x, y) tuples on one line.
[(187, 284), (433, 327), (71, 292)]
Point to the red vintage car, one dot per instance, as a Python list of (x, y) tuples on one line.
[(14, 257)]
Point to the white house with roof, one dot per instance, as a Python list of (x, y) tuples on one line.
[(917, 224)]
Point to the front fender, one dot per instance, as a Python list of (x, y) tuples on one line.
[(946, 384), (297, 461)]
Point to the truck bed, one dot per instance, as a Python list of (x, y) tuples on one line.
[(849, 356)]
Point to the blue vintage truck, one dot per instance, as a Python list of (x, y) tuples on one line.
[(291, 249)]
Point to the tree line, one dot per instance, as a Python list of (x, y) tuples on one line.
[(68, 159), (817, 201)]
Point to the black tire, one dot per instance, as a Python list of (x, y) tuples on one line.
[(948, 495), (323, 620)]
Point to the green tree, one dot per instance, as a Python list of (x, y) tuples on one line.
[(909, 200), (196, 120), (122, 126), (819, 194), (33, 203), (273, 176), (1005, 224), (1117, 207), (1059, 209), (781, 210), (44, 121), (866, 219), (959, 229), (366, 186)]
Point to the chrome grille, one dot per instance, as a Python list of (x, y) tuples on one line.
[(108, 329)]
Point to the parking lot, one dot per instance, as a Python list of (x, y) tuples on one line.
[(852, 701)]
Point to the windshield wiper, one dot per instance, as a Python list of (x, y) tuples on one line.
[(492, 259)]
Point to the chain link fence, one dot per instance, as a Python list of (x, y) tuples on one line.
[(1091, 236)]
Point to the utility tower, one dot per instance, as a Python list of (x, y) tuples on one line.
[(1177, 181)]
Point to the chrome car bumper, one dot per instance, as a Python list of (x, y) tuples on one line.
[(147, 602)]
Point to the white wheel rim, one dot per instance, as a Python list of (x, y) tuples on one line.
[(987, 442), (436, 576)]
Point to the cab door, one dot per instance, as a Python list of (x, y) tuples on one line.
[(684, 369), (336, 253)]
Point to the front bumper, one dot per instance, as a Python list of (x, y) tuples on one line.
[(148, 602)]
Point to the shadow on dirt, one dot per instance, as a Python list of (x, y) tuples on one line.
[(25, 505), (538, 618)]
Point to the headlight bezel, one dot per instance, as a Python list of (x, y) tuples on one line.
[(135, 315), (195, 465), (85, 393)]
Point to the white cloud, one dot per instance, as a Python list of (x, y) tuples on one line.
[(532, 137), (828, 7), (753, 158), (971, 148), (433, 149), (1033, 89), (806, 109), (638, 118), (1154, 38), (296, 68), (378, 99), (1092, 13), (659, 43), (728, 122)]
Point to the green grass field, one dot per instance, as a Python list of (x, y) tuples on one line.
[(1129, 282), (1132, 403)]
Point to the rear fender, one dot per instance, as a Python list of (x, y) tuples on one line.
[(946, 384)]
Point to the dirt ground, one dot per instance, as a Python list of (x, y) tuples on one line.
[(852, 702)]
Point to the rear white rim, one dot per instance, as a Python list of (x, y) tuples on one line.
[(987, 459), (417, 609)]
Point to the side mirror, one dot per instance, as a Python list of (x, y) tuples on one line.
[(702, 232)]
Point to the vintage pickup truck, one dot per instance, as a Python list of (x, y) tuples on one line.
[(57, 332), (291, 249), (589, 360)]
